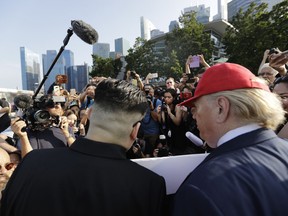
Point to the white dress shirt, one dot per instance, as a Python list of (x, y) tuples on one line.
[(236, 132)]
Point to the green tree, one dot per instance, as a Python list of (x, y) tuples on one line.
[(106, 67), (191, 39), (141, 58), (254, 31)]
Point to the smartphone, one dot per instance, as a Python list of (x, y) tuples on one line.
[(192, 80), (56, 90), (72, 91), (195, 62), (153, 75)]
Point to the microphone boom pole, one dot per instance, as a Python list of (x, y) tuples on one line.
[(65, 42)]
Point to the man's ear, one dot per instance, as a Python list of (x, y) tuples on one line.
[(223, 106), (134, 132)]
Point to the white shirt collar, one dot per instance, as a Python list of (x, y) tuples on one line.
[(236, 132)]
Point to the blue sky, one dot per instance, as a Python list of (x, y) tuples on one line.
[(42, 25)]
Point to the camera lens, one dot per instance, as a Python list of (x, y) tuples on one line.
[(41, 116)]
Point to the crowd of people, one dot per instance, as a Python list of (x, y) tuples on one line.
[(77, 156)]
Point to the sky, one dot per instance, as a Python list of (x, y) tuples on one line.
[(42, 25)]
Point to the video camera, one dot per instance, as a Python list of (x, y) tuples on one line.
[(35, 112)]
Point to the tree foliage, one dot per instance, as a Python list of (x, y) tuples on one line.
[(254, 31), (179, 44), (106, 67), (141, 58), (189, 40)]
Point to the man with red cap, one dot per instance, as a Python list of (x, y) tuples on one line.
[(247, 172)]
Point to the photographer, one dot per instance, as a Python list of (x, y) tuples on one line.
[(162, 149), (149, 125), (51, 131), (267, 57), (87, 96), (134, 78), (172, 125), (59, 80), (136, 150), (4, 115)]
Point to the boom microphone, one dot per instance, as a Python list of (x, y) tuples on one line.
[(84, 31), (193, 138), (23, 101)]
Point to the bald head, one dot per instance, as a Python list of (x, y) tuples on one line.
[(4, 157)]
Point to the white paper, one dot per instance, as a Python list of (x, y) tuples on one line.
[(174, 169)]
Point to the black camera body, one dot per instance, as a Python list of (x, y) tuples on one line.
[(37, 117), (163, 152), (164, 107), (273, 51), (149, 99), (133, 74)]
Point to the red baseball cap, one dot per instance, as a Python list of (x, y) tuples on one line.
[(225, 77)]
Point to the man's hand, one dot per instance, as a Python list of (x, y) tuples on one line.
[(278, 60), (18, 127)]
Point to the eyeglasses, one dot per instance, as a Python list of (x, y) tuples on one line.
[(52, 105), (7, 166)]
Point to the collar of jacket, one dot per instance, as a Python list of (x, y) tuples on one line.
[(245, 140), (99, 149)]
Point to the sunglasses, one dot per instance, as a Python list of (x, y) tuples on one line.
[(7, 166), (52, 105)]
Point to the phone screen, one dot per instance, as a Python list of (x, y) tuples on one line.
[(154, 75), (56, 90), (72, 91), (195, 62)]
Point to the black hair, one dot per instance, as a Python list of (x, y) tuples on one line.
[(113, 94), (173, 92), (282, 79)]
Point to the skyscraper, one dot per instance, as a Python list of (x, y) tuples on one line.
[(59, 67), (30, 69), (78, 77), (101, 49), (173, 25), (156, 32), (222, 10), (68, 56), (235, 5), (202, 13), (121, 46), (146, 27)]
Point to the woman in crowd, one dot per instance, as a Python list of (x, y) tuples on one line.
[(170, 119), (281, 88)]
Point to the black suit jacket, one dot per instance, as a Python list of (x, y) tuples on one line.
[(247, 175), (89, 178)]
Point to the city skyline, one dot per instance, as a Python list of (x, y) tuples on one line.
[(30, 24)]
